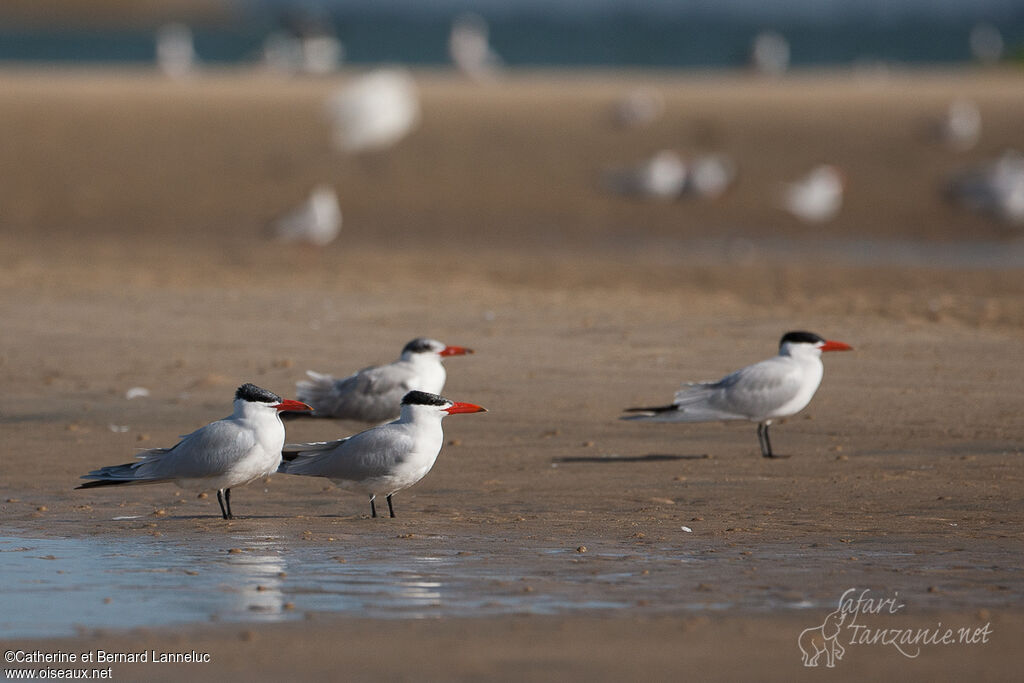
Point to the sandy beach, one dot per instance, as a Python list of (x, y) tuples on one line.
[(133, 226)]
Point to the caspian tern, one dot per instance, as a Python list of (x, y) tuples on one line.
[(375, 394), (383, 459), (995, 188), (470, 50), (774, 388), (769, 53), (662, 176), (960, 128), (375, 111), (316, 221), (234, 451), (987, 44), (639, 107), (304, 43), (175, 52), (710, 176), (818, 196)]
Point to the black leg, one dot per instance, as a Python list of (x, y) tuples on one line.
[(227, 501), (220, 499), (766, 444), (373, 508), (391, 509), (762, 440)]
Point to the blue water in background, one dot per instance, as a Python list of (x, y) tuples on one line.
[(570, 33)]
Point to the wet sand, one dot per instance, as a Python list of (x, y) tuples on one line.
[(134, 255)]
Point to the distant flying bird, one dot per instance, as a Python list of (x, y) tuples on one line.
[(774, 388), (375, 394), (175, 51), (817, 197), (662, 176), (995, 188), (470, 50), (234, 451), (383, 459), (316, 221), (374, 111)]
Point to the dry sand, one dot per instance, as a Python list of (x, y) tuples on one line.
[(133, 254)]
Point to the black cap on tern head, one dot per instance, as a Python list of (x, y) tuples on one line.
[(800, 337), (422, 398), (420, 345), (251, 392)]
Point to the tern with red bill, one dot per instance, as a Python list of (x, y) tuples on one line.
[(384, 459), (375, 394), (241, 448), (774, 388), (818, 196)]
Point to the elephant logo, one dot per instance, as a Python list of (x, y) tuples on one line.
[(823, 639)]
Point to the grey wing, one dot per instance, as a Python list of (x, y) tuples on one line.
[(292, 451), (373, 394), (757, 389), (366, 455), (206, 452)]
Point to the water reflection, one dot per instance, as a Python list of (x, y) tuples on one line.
[(55, 587)]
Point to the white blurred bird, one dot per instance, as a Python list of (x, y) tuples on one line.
[(316, 55), (470, 50), (374, 111), (639, 107), (769, 53), (709, 176), (818, 196), (662, 176), (234, 451), (175, 50), (960, 128), (995, 188), (316, 221), (305, 43), (375, 394), (986, 43), (383, 459), (774, 388)]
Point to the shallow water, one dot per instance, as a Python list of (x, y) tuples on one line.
[(61, 586)]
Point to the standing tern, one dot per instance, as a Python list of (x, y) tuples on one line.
[(375, 394), (818, 196), (470, 50), (995, 187), (375, 111), (383, 459), (774, 388), (316, 221), (662, 176), (234, 451)]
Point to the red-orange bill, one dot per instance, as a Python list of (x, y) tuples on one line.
[(288, 404), (459, 407), (455, 351), (836, 346)]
